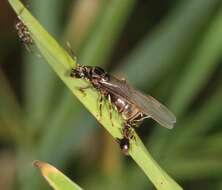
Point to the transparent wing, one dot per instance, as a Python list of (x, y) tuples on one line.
[(147, 104), (151, 107)]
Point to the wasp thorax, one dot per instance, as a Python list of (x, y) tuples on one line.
[(98, 74)]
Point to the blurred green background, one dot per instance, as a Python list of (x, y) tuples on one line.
[(170, 49)]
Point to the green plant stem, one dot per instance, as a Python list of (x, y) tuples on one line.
[(62, 63)]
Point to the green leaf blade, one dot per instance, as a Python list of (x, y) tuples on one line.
[(56, 179)]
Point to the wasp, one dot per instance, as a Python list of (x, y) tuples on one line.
[(132, 104)]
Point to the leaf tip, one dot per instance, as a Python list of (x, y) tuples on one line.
[(44, 167), (38, 164)]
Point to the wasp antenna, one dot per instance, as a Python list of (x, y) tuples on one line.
[(68, 45), (71, 52)]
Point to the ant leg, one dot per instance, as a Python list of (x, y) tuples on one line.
[(110, 110), (128, 131), (133, 137), (118, 140)]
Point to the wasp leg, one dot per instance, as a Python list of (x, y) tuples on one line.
[(82, 89), (110, 110), (136, 119), (100, 105)]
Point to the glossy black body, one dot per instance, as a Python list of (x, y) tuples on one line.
[(128, 134), (124, 144)]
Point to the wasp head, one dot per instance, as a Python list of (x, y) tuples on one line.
[(93, 74), (80, 72)]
